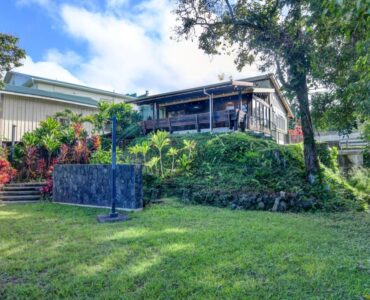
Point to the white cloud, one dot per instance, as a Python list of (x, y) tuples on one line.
[(114, 4), (47, 69), (68, 59), (31, 2), (132, 51)]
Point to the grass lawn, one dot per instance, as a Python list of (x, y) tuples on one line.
[(172, 251)]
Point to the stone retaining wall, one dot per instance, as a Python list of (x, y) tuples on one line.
[(90, 185)]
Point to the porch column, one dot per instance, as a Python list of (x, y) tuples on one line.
[(157, 111), (240, 98)]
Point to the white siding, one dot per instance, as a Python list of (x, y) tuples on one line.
[(27, 113)]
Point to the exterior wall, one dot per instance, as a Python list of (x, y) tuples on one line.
[(92, 185), (27, 113), (75, 91)]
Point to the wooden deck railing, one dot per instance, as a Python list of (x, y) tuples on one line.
[(232, 119)]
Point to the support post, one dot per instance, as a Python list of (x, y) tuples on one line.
[(170, 125), (240, 98), (13, 143), (211, 113), (197, 123), (113, 213)]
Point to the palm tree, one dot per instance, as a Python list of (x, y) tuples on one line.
[(71, 117), (51, 144), (160, 140), (173, 153)]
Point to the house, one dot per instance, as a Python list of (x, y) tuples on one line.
[(254, 104), (26, 100)]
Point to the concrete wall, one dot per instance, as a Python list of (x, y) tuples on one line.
[(91, 185), (27, 113)]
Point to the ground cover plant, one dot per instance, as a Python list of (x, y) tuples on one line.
[(177, 251), (241, 171)]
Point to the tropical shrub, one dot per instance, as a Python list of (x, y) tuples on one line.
[(127, 121), (54, 142), (7, 173), (231, 165)]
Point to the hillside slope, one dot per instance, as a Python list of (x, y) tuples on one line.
[(243, 171)]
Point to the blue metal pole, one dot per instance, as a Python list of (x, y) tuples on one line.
[(114, 192)]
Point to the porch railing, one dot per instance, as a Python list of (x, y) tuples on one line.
[(232, 119)]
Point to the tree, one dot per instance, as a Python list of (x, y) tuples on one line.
[(280, 33), (127, 119), (10, 54), (343, 65), (69, 117)]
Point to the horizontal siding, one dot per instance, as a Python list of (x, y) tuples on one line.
[(27, 113)]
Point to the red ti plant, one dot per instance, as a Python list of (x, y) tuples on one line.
[(47, 189), (77, 127), (41, 168), (30, 159), (7, 173), (96, 142), (81, 152), (63, 154)]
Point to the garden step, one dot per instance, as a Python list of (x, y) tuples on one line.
[(21, 188), (20, 198), (26, 184), (19, 193)]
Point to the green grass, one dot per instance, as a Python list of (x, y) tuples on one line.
[(172, 251)]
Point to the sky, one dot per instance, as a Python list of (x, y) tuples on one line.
[(119, 45)]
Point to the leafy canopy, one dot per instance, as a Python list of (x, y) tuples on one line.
[(10, 54)]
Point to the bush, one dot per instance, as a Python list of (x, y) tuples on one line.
[(7, 173), (224, 166)]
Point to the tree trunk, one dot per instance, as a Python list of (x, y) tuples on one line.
[(310, 154)]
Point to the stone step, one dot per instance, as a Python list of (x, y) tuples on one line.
[(20, 198), (19, 193), (21, 188), (26, 184)]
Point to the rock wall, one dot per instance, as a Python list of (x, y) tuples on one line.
[(91, 185)]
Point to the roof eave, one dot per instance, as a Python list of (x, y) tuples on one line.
[(48, 98), (283, 99), (77, 86)]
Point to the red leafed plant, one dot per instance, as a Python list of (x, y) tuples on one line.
[(81, 152), (7, 173), (47, 189), (63, 154), (96, 142), (77, 127), (40, 168)]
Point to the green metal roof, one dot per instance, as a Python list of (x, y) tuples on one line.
[(73, 99), (33, 79)]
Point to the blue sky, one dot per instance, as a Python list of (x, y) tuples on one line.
[(120, 45)]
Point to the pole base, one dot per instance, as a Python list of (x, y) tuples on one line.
[(111, 218)]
